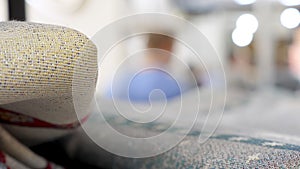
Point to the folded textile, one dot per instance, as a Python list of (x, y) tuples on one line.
[(47, 79)]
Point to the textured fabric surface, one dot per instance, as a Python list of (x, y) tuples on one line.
[(221, 152), (44, 71), (38, 62), (41, 66), (258, 130)]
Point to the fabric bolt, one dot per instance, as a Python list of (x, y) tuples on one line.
[(47, 80), (41, 66)]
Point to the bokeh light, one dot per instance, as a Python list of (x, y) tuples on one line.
[(247, 22), (241, 38), (245, 2), (290, 18), (290, 2)]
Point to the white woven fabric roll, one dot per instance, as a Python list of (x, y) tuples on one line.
[(40, 67)]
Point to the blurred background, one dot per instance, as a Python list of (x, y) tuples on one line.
[(257, 41)]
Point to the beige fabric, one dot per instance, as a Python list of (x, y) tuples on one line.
[(38, 64), (42, 68), (46, 72)]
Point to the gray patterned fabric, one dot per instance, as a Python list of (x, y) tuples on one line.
[(221, 152), (252, 134)]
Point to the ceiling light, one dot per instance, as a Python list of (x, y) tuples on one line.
[(290, 18), (241, 38), (247, 22)]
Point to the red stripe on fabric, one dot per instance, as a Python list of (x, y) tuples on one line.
[(15, 118)]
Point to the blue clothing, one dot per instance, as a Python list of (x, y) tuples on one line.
[(154, 84)]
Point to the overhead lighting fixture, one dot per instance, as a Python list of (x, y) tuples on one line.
[(247, 22), (290, 18), (290, 2), (245, 2), (241, 38)]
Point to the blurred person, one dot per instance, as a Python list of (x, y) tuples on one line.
[(242, 68), (294, 57), (154, 75)]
